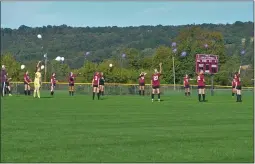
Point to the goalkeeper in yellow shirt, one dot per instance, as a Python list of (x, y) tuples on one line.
[(37, 81)]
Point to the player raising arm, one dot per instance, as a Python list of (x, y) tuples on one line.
[(71, 83), (53, 82), (186, 85), (155, 82), (37, 82), (238, 86), (95, 85), (201, 86), (142, 83)]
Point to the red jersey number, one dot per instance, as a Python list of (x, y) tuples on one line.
[(200, 80), (155, 80)]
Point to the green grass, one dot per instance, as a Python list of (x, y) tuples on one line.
[(127, 129)]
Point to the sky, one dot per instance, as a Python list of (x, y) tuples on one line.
[(127, 13)]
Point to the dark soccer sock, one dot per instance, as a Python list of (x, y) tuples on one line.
[(102, 93), (28, 92), (233, 94), (70, 93), (159, 96), (143, 92), (189, 93), (199, 97), (93, 95), (237, 98), (25, 92), (152, 96), (140, 92), (203, 97), (185, 93), (98, 96)]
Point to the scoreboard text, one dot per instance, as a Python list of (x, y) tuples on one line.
[(207, 63)]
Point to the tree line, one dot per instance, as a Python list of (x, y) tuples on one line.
[(144, 48)]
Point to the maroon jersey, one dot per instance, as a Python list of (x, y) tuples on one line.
[(141, 80), (96, 79), (155, 79), (53, 80), (237, 80), (27, 78), (3, 75), (200, 80), (71, 79), (186, 81), (233, 83)]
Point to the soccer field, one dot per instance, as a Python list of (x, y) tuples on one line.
[(127, 129)]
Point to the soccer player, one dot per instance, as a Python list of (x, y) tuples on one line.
[(101, 84), (201, 86), (95, 85), (3, 80), (142, 83), (71, 83), (186, 85), (53, 82), (238, 86), (27, 81), (155, 83), (233, 87), (37, 82), (7, 84)]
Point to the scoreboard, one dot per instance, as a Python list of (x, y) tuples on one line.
[(207, 62)]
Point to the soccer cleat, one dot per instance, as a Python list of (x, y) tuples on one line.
[(10, 94)]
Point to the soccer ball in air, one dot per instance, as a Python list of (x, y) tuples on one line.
[(42, 67), (110, 65), (39, 36), (22, 66)]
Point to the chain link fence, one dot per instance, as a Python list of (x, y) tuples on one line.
[(125, 89)]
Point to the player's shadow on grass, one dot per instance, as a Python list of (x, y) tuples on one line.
[(48, 97)]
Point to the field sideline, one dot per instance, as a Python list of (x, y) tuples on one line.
[(127, 129)]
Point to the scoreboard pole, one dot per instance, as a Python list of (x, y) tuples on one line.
[(212, 85), (174, 72)]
